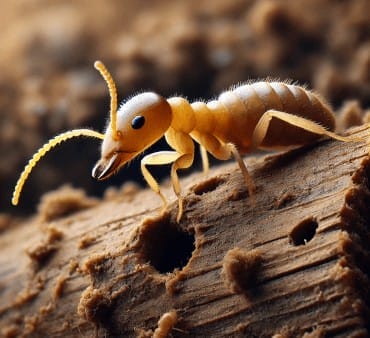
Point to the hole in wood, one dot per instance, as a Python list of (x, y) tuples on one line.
[(303, 232), (165, 246), (208, 186)]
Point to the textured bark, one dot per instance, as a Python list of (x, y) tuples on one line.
[(296, 263)]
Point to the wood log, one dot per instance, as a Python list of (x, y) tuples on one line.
[(293, 264)]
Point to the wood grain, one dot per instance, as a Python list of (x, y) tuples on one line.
[(299, 257)]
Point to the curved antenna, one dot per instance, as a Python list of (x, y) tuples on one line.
[(113, 96), (43, 150)]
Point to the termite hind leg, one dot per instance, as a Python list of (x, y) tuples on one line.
[(247, 177), (261, 130)]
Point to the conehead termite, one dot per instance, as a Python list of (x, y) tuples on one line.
[(269, 115)]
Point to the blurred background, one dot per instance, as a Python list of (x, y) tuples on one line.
[(196, 48)]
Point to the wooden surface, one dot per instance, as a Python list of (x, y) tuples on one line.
[(294, 264)]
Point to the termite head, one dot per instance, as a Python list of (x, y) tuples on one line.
[(138, 123)]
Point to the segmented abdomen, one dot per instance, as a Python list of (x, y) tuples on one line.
[(242, 107)]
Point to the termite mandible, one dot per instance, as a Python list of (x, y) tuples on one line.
[(267, 115)]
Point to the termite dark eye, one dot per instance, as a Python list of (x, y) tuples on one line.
[(137, 122)]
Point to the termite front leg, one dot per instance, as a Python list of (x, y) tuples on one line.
[(159, 158), (184, 146), (181, 158), (167, 157)]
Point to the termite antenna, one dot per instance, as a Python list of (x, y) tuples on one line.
[(43, 150), (113, 96)]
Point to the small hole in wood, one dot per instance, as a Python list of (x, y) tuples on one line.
[(164, 245), (303, 232), (208, 186)]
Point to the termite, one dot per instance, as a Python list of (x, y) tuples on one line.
[(267, 115)]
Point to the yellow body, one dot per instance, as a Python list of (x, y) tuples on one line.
[(233, 117), (267, 115)]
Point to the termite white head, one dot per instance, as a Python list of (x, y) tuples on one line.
[(138, 124)]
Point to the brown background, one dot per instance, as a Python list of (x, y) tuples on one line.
[(194, 48)]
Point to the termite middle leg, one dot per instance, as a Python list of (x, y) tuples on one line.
[(205, 161), (223, 151)]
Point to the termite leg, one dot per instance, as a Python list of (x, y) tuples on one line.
[(223, 151), (159, 158), (184, 161), (261, 130), (166, 157), (205, 161), (184, 146), (247, 177)]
